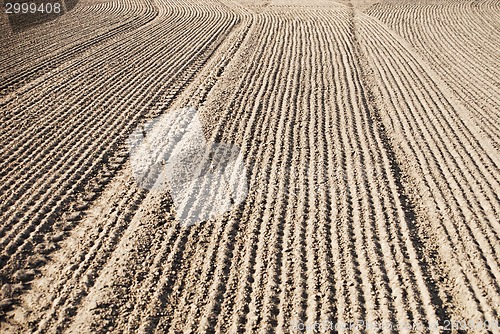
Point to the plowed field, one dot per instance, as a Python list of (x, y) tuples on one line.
[(251, 166)]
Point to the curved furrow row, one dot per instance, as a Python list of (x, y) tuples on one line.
[(60, 143), (50, 126), (493, 198), (489, 13), (430, 24), (35, 209), (459, 48), (120, 69), (446, 212), (465, 65), (112, 53), (68, 300), (441, 20), (45, 205), (480, 67), (489, 6), (22, 76), (487, 163), (109, 50), (465, 148), (22, 47)]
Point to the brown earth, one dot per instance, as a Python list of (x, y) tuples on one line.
[(369, 132)]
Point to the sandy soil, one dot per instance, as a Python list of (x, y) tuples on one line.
[(361, 187)]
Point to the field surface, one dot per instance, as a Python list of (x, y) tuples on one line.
[(358, 179)]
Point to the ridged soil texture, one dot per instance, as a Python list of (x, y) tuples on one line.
[(369, 141)]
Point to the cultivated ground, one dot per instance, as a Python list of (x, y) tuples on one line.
[(369, 136)]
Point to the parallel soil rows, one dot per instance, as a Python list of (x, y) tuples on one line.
[(458, 41), (371, 162), (103, 226), (29, 55), (324, 233), (80, 157), (456, 177)]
